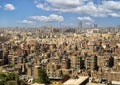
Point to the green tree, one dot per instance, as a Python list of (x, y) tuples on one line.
[(3, 78), (2, 83), (42, 76), (12, 76)]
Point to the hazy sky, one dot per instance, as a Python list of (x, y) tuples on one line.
[(59, 12)]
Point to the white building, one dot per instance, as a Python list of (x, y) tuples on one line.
[(82, 80)]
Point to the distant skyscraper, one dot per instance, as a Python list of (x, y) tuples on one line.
[(95, 25), (80, 24)]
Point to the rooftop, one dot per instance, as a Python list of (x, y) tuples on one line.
[(76, 81), (94, 84)]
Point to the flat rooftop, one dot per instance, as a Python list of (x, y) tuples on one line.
[(115, 82), (94, 84), (77, 81)]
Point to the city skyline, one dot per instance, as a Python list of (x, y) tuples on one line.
[(59, 12)]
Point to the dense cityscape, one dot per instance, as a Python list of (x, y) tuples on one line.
[(59, 42), (55, 56)]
